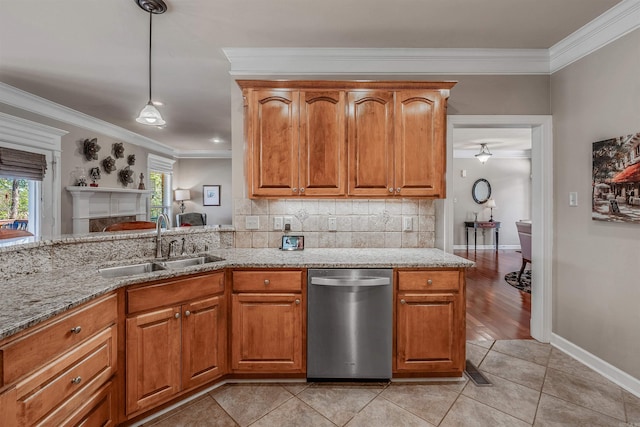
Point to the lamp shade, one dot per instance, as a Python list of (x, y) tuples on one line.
[(150, 115), (490, 203), (181, 195), (484, 153)]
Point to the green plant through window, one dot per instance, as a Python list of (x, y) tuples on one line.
[(159, 204), (14, 198)]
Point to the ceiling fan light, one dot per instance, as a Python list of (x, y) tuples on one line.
[(484, 153), (150, 116)]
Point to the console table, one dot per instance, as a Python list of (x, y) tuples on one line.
[(493, 225)]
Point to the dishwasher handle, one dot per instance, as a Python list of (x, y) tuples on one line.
[(348, 281)]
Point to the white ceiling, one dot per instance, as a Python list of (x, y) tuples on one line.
[(91, 55)]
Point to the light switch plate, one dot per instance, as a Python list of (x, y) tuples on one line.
[(277, 223), (573, 198), (252, 222), (407, 223), (332, 224)]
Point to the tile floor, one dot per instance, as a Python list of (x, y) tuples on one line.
[(533, 384)]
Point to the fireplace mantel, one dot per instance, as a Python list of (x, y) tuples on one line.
[(102, 202)]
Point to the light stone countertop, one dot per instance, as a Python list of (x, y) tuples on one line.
[(29, 299)]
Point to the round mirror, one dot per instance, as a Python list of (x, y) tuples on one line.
[(481, 191)]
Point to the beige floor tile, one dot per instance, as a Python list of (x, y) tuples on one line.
[(248, 402), (556, 412), (600, 397), (476, 353), (632, 407), (200, 413), (482, 343), (382, 413), (530, 350), (469, 413), (563, 362), (295, 388), (506, 396), (338, 404), (293, 413), (429, 402), (514, 369)]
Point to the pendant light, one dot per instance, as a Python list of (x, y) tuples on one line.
[(484, 153), (150, 115)]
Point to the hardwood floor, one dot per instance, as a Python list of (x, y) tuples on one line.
[(495, 310)]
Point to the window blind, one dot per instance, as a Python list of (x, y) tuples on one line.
[(22, 164)]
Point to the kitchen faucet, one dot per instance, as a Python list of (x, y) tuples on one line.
[(165, 218)]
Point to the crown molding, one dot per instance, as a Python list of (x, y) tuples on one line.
[(26, 101), (202, 154), (349, 61), (608, 27), (28, 133)]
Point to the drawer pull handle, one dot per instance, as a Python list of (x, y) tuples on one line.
[(297, 301), (76, 330), (76, 380), (177, 315), (266, 281), (187, 313), (429, 282), (402, 301)]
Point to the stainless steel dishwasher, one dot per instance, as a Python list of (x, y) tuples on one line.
[(349, 325)]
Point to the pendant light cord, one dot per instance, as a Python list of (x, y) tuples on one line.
[(150, 33)]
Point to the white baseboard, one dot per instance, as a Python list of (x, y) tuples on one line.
[(485, 247), (619, 377)]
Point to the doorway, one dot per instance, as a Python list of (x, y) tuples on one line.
[(541, 210)]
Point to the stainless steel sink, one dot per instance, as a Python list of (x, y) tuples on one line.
[(130, 270), (188, 262)]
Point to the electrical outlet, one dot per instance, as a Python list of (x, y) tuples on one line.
[(333, 224), (287, 223), (573, 198), (252, 222), (407, 224), (277, 223)]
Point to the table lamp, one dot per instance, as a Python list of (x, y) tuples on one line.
[(491, 204), (181, 196)]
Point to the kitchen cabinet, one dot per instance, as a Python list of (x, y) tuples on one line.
[(58, 370), (345, 139), (175, 338), (297, 142), (268, 313), (430, 322)]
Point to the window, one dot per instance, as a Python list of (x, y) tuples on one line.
[(14, 203), (160, 173)]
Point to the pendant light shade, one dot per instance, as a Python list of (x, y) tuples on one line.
[(149, 115), (484, 153)]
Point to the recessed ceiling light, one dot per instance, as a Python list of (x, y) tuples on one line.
[(216, 140)]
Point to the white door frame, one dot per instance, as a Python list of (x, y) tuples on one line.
[(541, 208)]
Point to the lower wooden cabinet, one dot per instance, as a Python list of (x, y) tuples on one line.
[(430, 322), (178, 345), (268, 313)]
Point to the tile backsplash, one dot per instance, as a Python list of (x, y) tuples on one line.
[(360, 223)]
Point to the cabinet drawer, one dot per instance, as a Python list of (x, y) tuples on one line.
[(174, 292), (37, 348), (427, 280), (267, 281), (93, 362), (96, 409)]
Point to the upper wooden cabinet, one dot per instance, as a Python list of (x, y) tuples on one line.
[(345, 139)]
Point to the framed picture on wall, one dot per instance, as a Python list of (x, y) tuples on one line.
[(211, 195)]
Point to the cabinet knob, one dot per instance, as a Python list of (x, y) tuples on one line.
[(266, 281), (76, 380), (76, 330), (302, 189), (429, 282), (187, 313), (402, 301), (297, 301), (398, 190), (177, 315), (390, 189), (294, 189)]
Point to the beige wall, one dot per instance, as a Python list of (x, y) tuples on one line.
[(596, 281)]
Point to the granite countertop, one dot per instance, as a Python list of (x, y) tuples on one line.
[(29, 299)]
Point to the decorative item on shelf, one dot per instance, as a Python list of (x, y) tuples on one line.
[(141, 185), (90, 149), (131, 159), (118, 150), (109, 164), (79, 176), (150, 115), (491, 204), (484, 153), (94, 173), (125, 176), (181, 196)]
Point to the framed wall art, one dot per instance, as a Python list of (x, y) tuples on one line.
[(211, 195)]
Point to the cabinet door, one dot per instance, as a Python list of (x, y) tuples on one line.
[(273, 132), (323, 157), (370, 142), (8, 416), (428, 333), (267, 333), (420, 147), (203, 341), (153, 357)]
